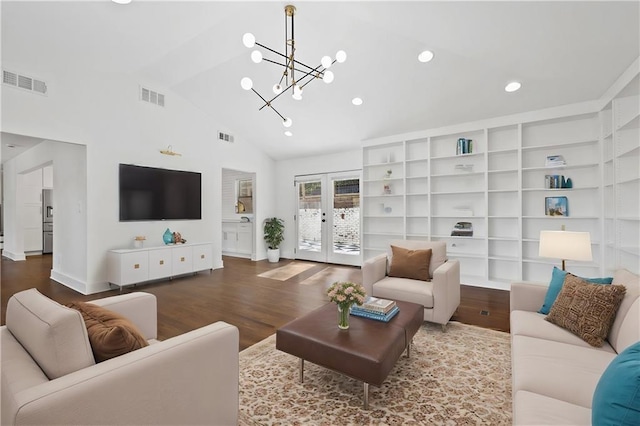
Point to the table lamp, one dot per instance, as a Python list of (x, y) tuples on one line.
[(565, 245)]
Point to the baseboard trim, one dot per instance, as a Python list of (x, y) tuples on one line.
[(14, 256), (70, 282)]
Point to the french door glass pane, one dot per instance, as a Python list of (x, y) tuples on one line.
[(310, 216), (346, 216)]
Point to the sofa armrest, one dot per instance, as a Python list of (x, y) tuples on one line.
[(139, 307), (188, 379), (446, 290), (527, 296), (373, 270)]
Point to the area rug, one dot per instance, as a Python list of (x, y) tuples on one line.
[(329, 275), (460, 377), (286, 272)]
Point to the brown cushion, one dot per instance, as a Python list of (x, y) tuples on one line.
[(110, 334), (407, 263), (587, 310)]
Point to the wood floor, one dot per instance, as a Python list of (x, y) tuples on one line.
[(235, 294)]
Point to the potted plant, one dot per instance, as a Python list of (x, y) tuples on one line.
[(273, 235)]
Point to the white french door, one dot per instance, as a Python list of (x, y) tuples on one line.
[(328, 218)]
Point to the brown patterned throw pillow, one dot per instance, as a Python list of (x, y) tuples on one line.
[(587, 310), (407, 263), (110, 334)]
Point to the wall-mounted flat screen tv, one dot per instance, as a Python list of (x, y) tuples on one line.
[(148, 193)]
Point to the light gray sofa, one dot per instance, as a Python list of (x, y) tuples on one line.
[(555, 372), (440, 296), (188, 379)]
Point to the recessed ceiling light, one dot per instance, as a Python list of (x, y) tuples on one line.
[(356, 101), (425, 56), (288, 133), (512, 86), (121, 1)]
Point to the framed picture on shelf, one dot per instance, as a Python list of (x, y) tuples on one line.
[(556, 206)]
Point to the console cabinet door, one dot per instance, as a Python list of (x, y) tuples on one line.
[(202, 257), (160, 264), (129, 268), (182, 262)]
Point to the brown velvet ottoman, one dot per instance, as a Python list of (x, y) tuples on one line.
[(367, 351)]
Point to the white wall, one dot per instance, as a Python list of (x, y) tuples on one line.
[(287, 170), (117, 128)]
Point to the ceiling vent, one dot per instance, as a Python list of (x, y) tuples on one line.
[(153, 97), (225, 137), (24, 82)]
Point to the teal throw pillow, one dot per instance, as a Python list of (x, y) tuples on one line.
[(557, 280), (616, 400)]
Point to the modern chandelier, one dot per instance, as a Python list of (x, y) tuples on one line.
[(295, 75)]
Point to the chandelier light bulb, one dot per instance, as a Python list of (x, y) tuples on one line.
[(287, 122), (297, 90), (288, 133), (326, 61), (246, 83), (328, 77), (249, 40), (341, 56), (256, 56), (356, 101), (297, 96), (277, 89)]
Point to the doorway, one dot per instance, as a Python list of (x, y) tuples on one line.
[(328, 218)]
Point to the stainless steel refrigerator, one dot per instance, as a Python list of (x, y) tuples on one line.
[(47, 221)]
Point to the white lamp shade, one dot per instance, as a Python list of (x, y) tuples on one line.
[(565, 245), (287, 122), (326, 61), (277, 89), (341, 56)]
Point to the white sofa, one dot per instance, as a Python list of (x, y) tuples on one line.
[(555, 372), (440, 296), (188, 379)]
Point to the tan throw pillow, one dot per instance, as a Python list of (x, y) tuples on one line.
[(587, 310), (412, 264), (110, 334)]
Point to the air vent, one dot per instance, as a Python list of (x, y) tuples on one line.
[(153, 97), (225, 137), (24, 82)]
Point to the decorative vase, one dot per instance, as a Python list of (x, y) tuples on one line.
[(167, 237), (343, 317)]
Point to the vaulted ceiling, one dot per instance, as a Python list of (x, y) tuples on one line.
[(562, 52)]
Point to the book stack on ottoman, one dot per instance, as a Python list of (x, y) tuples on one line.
[(377, 309)]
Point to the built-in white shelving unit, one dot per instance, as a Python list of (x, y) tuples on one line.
[(500, 188)]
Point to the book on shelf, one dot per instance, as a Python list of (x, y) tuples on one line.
[(555, 161), (464, 146), (359, 312), (462, 229), (376, 304)]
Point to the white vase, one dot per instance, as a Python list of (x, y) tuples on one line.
[(273, 255)]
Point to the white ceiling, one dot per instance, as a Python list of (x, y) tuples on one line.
[(562, 52)]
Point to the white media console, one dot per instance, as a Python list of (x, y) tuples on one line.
[(133, 266)]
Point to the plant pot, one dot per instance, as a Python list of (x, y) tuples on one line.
[(273, 255)]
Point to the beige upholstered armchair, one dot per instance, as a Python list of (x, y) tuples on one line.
[(440, 296), (50, 376)]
